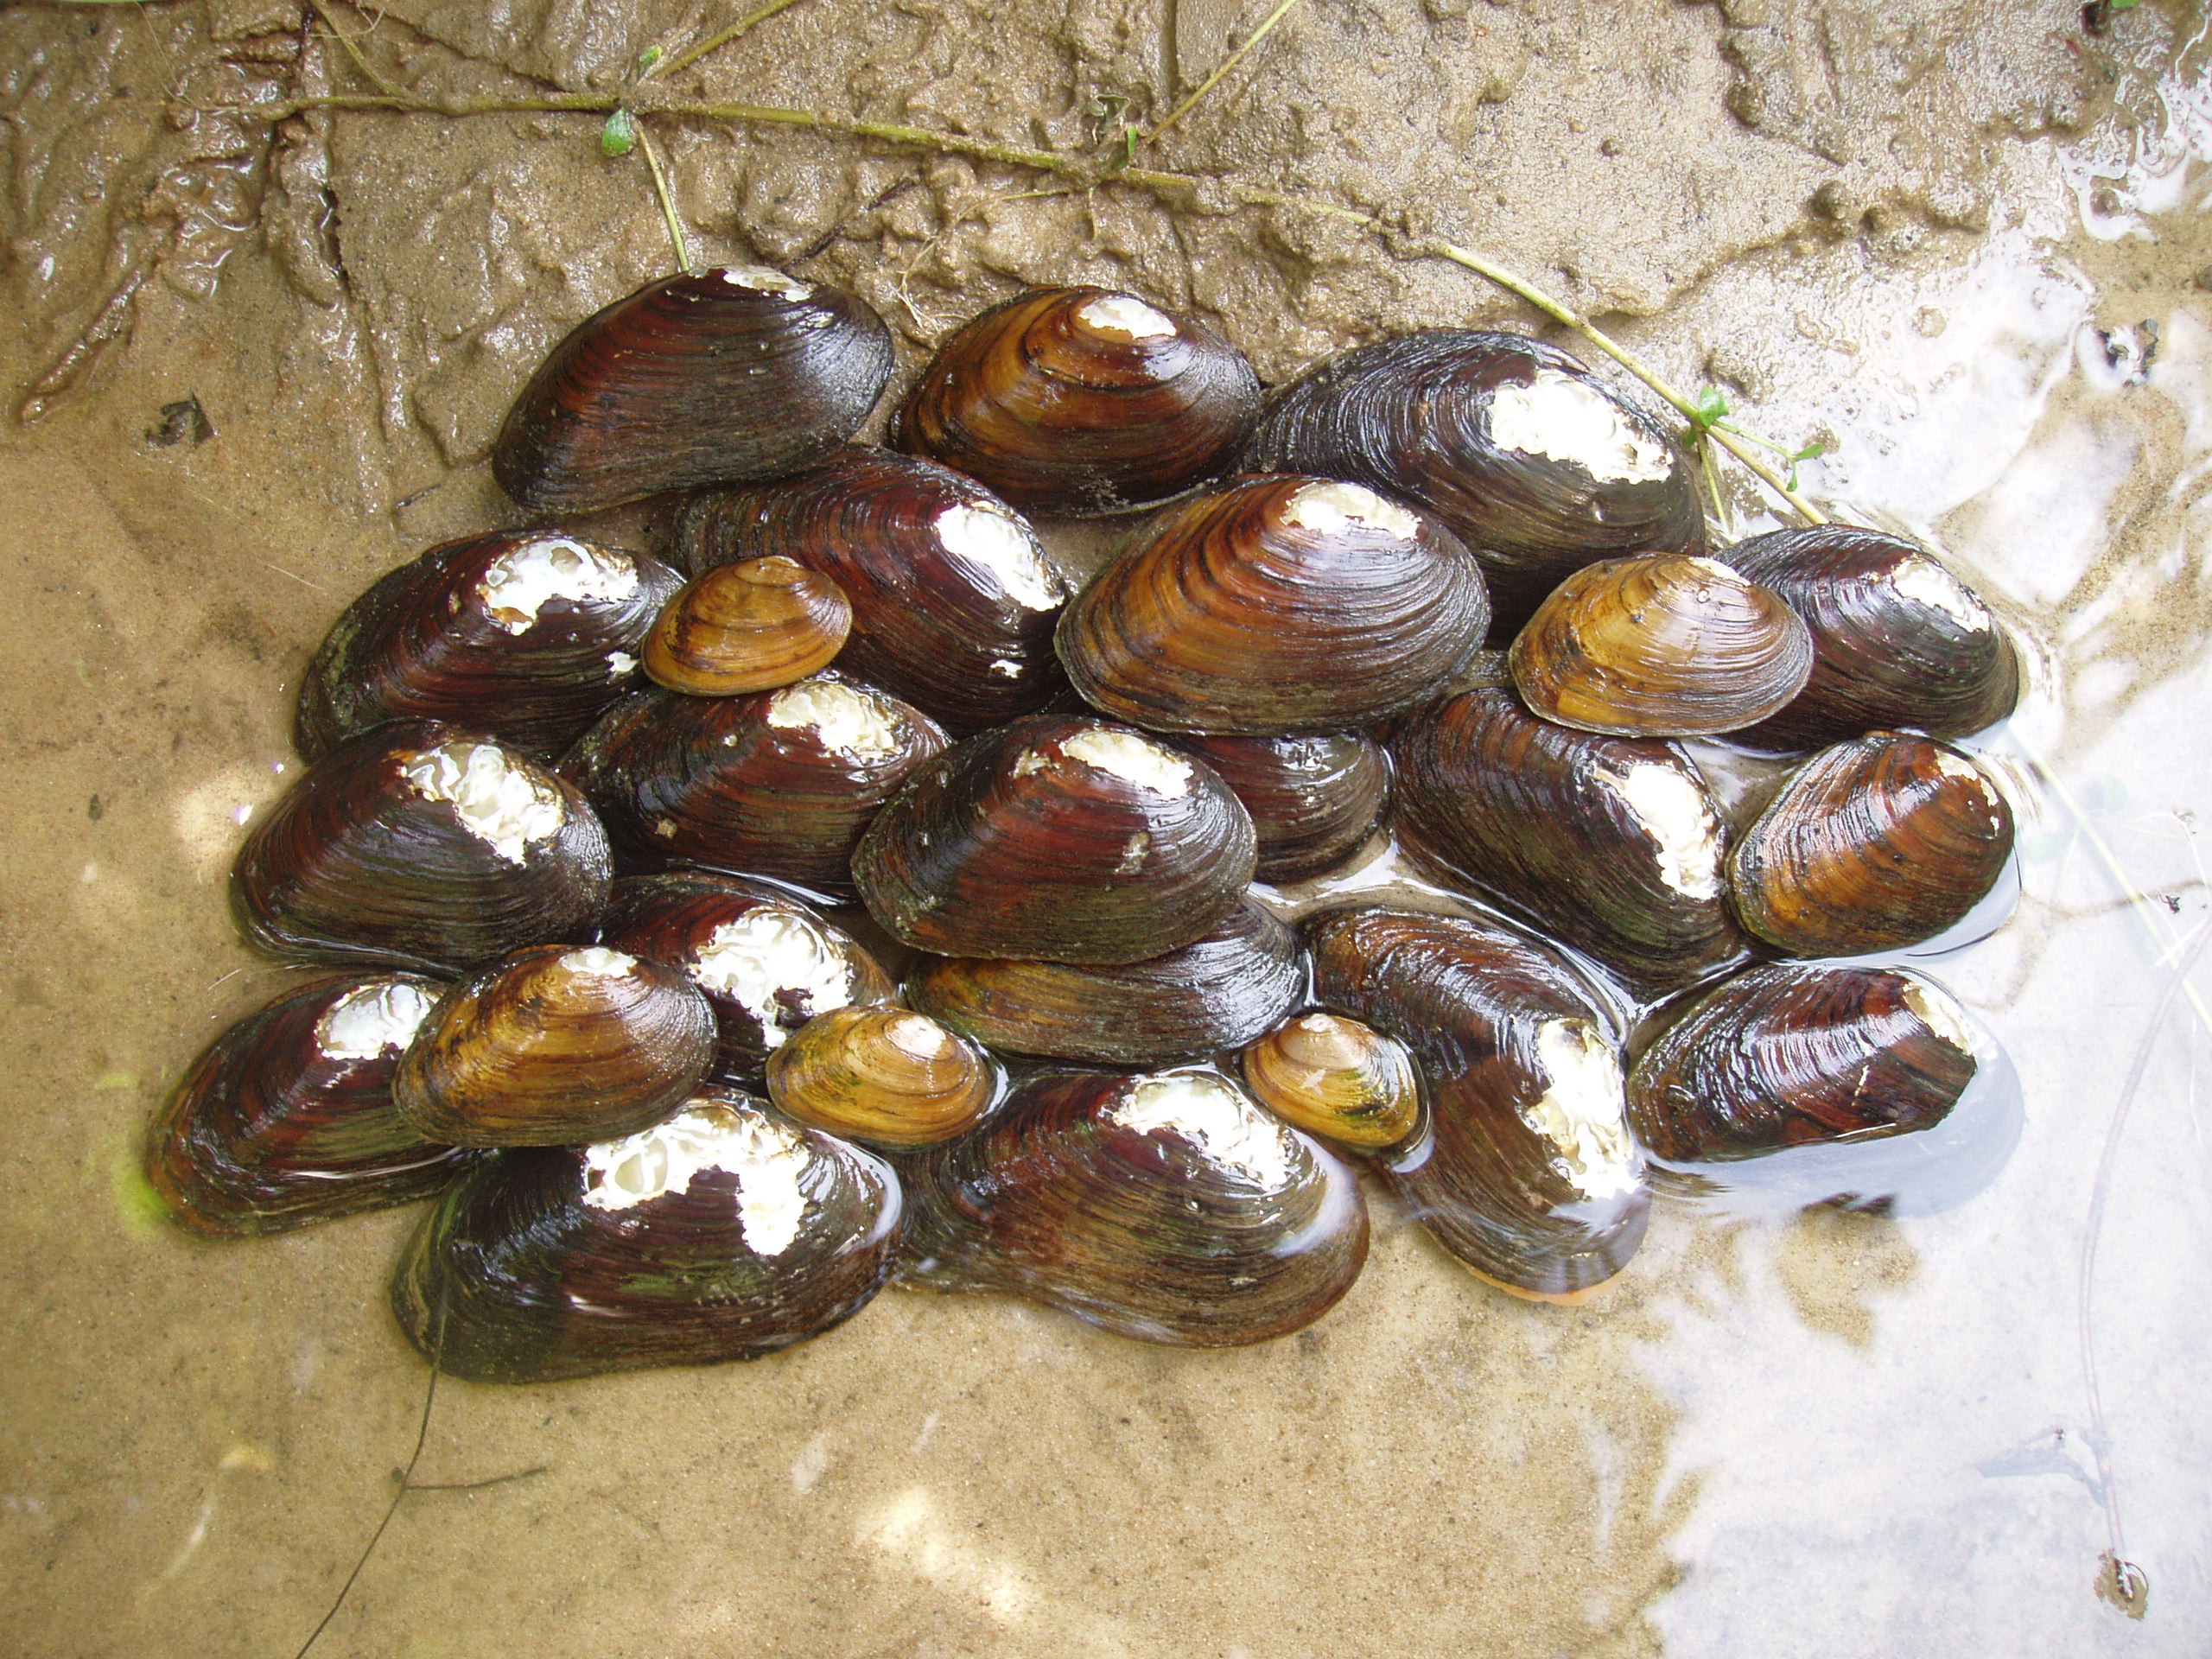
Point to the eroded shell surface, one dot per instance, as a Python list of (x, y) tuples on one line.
[(724, 1232), (1314, 799), (888, 1076), (1336, 1077), (748, 626)]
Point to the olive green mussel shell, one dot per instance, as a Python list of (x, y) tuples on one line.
[(1334, 1076), (1314, 799), (1272, 606), (953, 597), (422, 845), (1057, 839), (1612, 845), (523, 635), (888, 1076), (1525, 1170), (749, 627), (1468, 426), (1081, 400), (1789, 1054), (1167, 1206), (779, 784), (1211, 996), (1898, 641), (555, 1046), (1879, 842), (767, 960), (703, 378), (725, 1232), (286, 1117)]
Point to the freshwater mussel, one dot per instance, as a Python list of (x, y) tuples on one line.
[(890, 1077), (750, 626), (1315, 798), (1336, 1077)]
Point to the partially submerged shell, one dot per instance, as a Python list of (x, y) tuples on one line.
[(1525, 1171), (286, 1117), (1661, 646), (1612, 845), (1082, 400), (423, 845), (1210, 996), (725, 1232), (1789, 1054), (1314, 799), (523, 635), (703, 378), (1276, 605), (1873, 844), (1529, 459), (888, 1076), (1057, 839), (1336, 1077), (556, 1046), (748, 626), (1167, 1206)]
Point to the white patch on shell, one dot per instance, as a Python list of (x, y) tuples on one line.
[(1001, 544), (1216, 1119), (766, 1156), (1331, 509), (769, 950), (597, 962), (620, 663), (1562, 418), (1582, 1111), (1669, 807), (1940, 1012), (499, 802), (1133, 852), (919, 1035), (1922, 579), (1137, 759), (1005, 668), (1125, 314), (366, 1022), (765, 279), (517, 584), (849, 719)]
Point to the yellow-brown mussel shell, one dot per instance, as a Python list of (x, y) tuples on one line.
[(1334, 1076), (1661, 646), (750, 626), (888, 1076)]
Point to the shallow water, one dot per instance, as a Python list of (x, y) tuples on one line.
[(1779, 1436)]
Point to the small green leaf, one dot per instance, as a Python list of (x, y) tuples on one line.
[(646, 58), (1711, 407), (619, 136), (1126, 151)]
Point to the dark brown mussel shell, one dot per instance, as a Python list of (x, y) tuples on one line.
[(425, 845), (1879, 842), (556, 1046), (1314, 800), (1789, 1054), (1168, 1206), (953, 598), (286, 1117), (1612, 845), (1082, 400), (779, 784), (724, 1232), (1528, 458), (524, 635), (705, 378), (749, 627), (1526, 1171), (888, 1076), (1209, 997), (1898, 641), (1059, 839), (767, 961), (1334, 1076), (1276, 605), (1661, 646)]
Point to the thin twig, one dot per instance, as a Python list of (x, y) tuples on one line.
[(667, 201), (685, 58), (479, 1485), (353, 51), (1281, 11)]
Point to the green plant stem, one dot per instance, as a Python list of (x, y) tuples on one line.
[(676, 237), (1267, 25), (352, 50), (691, 55)]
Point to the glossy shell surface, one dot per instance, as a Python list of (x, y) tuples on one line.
[(1314, 799), (1334, 1076), (888, 1076), (750, 626)]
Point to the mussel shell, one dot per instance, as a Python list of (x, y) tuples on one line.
[(1417, 417), (1208, 997), (1314, 799), (1612, 845), (423, 845), (749, 627), (524, 635), (1332, 1075), (1059, 839), (1081, 400), (1661, 646), (1525, 1170), (889, 1078), (1788, 1054), (553, 1048), (710, 378), (1873, 844), (1169, 1207), (953, 598), (767, 961), (1898, 641), (286, 1117), (779, 784), (1276, 605), (726, 1232)]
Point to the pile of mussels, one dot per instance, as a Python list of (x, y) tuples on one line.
[(574, 826)]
